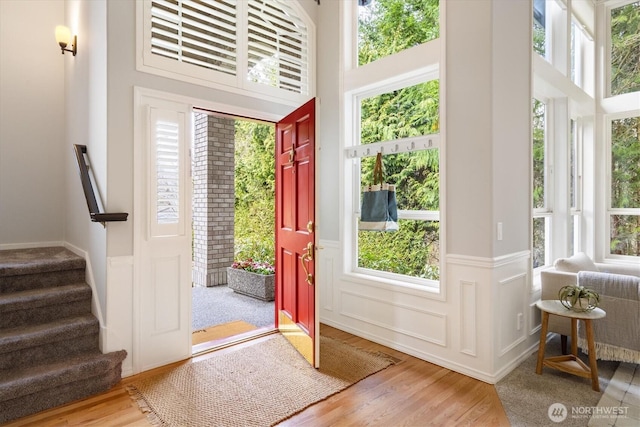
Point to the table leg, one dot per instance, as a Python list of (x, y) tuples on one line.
[(543, 341), (574, 337), (591, 345)]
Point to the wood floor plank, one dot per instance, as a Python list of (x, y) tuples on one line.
[(410, 393)]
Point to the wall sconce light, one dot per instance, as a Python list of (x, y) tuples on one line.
[(63, 37)]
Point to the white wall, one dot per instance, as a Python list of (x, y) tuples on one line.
[(86, 106), (31, 123), (329, 87)]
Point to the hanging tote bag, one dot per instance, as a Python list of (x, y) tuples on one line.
[(379, 210)]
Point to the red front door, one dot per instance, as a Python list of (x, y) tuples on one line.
[(296, 315)]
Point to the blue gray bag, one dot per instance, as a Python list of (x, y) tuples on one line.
[(379, 210)]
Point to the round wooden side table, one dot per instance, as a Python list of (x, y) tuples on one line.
[(570, 363)]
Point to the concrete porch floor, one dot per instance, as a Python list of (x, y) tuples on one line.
[(219, 304)]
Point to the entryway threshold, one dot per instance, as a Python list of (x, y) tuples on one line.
[(219, 344)]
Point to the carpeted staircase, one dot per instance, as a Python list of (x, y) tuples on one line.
[(49, 352)]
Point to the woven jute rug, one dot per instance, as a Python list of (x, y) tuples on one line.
[(259, 385), (225, 330)]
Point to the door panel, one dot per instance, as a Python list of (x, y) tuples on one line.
[(288, 291), (162, 241), (165, 274), (295, 231)]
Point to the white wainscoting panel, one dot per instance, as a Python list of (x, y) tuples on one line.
[(535, 319), (165, 273), (470, 327), (402, 319), (468, 317), (118, 331), (512, 330), (326, 274)]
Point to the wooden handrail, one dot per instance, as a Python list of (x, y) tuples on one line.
[(89, 194)]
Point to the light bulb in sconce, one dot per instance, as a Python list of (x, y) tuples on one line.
[(63, 37)]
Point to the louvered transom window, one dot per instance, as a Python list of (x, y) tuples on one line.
[(261, 48), (277, 46), (198, 32)]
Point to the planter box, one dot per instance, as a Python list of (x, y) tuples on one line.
[(252, 284)]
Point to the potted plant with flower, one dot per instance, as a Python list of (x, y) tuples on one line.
[(252, 278)]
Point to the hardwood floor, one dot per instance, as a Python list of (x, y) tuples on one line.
[(410, 393)]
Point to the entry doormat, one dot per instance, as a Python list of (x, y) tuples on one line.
[(259, 385)]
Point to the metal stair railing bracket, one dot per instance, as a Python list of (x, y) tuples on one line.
[(89, 194)]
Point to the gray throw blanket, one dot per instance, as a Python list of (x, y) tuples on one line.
[(617, 336)]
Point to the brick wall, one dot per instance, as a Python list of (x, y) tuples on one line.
[(213, 199)]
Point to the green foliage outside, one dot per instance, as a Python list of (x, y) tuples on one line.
[(625, 49), (625, 139), (387, 27), (254, 221), (539, 224), (538, 128), (391, 26), (539, 39), (625, 185)]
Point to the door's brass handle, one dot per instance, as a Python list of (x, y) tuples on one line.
[(292, 155), (307, 256)]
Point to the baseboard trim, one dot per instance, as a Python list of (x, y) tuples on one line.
[(95, 303), (8, 246)]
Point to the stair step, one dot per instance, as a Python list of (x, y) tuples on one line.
[(22, 269), (49, 352), (36, 344), (40, 305), (35, 388)]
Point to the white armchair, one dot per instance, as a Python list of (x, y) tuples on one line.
[(565, 272)]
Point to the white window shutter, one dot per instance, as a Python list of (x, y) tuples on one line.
[(167, 163), (202, 33), (277, 46)]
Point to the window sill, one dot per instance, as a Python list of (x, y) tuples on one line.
[(394, 285)]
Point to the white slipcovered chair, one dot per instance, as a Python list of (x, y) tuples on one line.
[(619, 288)]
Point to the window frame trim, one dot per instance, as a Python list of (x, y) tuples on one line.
[(609, 5), (353, 186), (610, 210)]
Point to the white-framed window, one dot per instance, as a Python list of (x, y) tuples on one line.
[(542, 188), (575, 166), (411, 159), (563, 36), (582, 55), (622, 48), (261, 48), (557, 174), (539, 28), (623, 213), (549, 39), (394, 111), (562, 127)]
